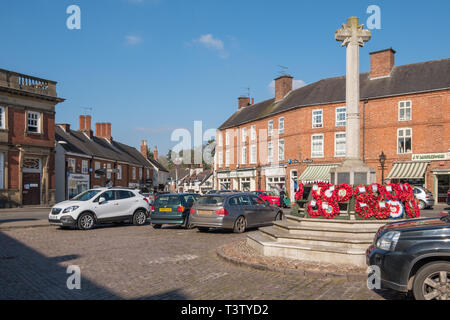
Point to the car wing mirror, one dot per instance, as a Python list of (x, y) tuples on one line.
[(101, 200)]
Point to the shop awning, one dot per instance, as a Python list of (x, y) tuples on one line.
[(408, 170), (316, 173)]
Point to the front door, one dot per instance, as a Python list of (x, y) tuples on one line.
[(31, 188)]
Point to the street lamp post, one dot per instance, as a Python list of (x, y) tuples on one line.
[(382, 160)]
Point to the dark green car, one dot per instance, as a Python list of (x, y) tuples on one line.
[(173, 209)]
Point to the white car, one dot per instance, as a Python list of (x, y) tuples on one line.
[(101, 205)]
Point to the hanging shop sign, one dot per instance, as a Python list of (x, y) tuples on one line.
[(431, 156)]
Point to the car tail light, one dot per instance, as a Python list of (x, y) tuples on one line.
[(192, 211), (146, 200), (180, 209), (153, 208), (222, 212)]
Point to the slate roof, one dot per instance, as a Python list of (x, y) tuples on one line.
[(78, 142), (405, 79)]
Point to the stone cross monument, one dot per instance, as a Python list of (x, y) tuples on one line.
[(352, 170)]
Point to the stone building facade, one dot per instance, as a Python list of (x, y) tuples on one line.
[(27, 139), (300, 134)]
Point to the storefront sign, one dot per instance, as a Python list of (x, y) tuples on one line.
[(431, 156)]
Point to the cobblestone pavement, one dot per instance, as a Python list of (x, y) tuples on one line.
[(143, 263)]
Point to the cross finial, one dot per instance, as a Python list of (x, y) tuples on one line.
[(352, 32)]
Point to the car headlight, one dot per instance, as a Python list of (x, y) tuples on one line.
[(70, 209), (388, 241)]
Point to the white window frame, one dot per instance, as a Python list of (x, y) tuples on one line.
[(97, 166), (244, 134), (281, 125), (270, 151), (2, 118), (227, 158), (219, 139), (37, 119), (253, 132), (220, 159), (404, 107), (404, 137), (2, 170), (253, 153), (335, 144), (108, 174), (227, 138), (85, 166), (119, 172), (341, 123), (133, 173), (312, 145), (147, 172), (244, 155), (316, 125), (72, 163), (281, 146), (270, 128)]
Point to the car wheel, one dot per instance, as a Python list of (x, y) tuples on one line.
[(279, 216), (240, 225), (432, 281), (422, 205), (86, 221), (157, 226), (139, 218), (203, 229)]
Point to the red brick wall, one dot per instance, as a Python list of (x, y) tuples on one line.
[(17, 128)]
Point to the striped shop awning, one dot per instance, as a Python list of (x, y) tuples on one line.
[(408, 170), (316, 173)]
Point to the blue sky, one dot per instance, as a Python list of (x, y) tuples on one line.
[(150, 66)]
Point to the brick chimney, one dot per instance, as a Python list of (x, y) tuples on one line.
[(283, 85), (155, 153), (103, 130), (381, 63), (108, 131), (243, 102), (144, 148), (82, 125), (85, 125), (65, 127)]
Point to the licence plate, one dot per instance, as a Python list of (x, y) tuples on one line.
[(204, 212), (165, 209)]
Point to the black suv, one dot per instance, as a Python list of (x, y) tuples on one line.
[(414, 255)]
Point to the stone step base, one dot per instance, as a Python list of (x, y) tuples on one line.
[(336, 223), (341, 241), (307, 252)]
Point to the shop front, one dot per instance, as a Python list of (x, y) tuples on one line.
[(412, 172), (317, 173), (275, 178), (247, 179), (441, 184), (76, 184)]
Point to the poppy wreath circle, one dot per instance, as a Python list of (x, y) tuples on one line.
[(300, 190), (412, 208), (361, 193), (364, 210), (390, 192), (382, 212), (329, 209), (330, 194), (313, 208), (396, 209), (405, 192), (343, 192), (376, 191), (320, 187)]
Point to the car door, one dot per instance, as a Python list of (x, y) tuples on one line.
[(262, 212), (249, 210), (108, 209), (127, 202), (235, 207)]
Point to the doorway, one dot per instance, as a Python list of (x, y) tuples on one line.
[(31, 188)]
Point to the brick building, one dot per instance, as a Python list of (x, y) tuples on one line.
[(79, 153), (27, 139), (300, 134)]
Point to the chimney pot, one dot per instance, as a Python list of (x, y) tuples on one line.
[(155, 153), (82, 123), (381, 63), (283, 85), (144, 148)]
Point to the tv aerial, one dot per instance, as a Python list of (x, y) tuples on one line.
[(282, 70)]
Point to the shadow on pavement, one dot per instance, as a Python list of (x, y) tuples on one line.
[(26, 274), (18, 220)]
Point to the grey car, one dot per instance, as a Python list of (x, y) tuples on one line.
[(424, 196), (232, 211)]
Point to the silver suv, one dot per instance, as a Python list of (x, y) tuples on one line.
[(424, 196), (101, 205)]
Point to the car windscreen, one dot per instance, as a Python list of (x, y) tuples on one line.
[(270, 194), (210, 201), (167, 201), (87, 195)]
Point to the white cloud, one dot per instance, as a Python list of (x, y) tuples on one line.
[(295, 85), (133, 40), (215, 44)]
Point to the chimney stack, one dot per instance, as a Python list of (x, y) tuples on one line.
[(243, 102), (283, 85), (82, 125), (381, 63), (155, 153), (85, 125), (103, 130), (108, 131), (144, 148)]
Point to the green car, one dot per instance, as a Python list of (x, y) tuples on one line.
[(172, 209)]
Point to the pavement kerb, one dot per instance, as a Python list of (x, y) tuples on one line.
[(351, 276), (16, 225)]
